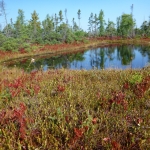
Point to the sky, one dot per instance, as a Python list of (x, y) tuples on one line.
[(111, 8)]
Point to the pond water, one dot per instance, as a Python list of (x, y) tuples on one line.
[(116, 57)]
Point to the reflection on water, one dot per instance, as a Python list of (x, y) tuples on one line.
[(117, 57)]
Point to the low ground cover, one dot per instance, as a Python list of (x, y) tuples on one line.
[(64, 109), (68, 109)]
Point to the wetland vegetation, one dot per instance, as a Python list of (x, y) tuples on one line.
[(60, 109)]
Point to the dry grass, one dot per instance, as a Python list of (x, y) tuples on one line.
[(63, 109), (68, 109)]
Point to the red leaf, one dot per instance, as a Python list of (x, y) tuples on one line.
[(78, 132)]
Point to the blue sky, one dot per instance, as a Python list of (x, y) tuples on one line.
[(112, 9)]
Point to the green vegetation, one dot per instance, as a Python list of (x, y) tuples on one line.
[(58, 110), (55, 29), (68, 109), (136, 78)]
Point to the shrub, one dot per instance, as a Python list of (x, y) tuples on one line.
[(85, 41), (70, 39), (47, 42), (11, 44), (38, 40), (34, 48), (54, 41), (79, 35), (26, 45), (2, 39), (136, 78)]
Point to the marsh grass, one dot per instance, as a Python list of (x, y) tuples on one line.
[(67, 109), (36, 50)]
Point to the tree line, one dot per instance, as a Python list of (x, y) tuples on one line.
[(56, 29)]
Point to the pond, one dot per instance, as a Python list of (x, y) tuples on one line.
[(115, 57)]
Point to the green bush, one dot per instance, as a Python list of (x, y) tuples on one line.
[(85, 41), (79, 35), (70, 39), (34, 48), (2, 39), (47, 42), (38, 40), (28, 49), (26, 45), (11, 44), (54, 41), (136, 78)]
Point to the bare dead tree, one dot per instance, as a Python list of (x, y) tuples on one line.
[(132, 18), (3, 12), (66, 16)]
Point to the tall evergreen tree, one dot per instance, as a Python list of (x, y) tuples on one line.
[(34, 24), (101, 23), (110, 29), (60, 16), (118, 26), (79, 16), (91, 19), (145, 28), (21, 16), (75, 26), (95, 22), (56, 21), (66, 16), (20, 24), (126, 25), (48, 27)]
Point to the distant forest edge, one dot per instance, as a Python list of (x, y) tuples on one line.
[(56, 29)]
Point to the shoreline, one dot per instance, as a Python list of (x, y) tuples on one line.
[(44, 50)]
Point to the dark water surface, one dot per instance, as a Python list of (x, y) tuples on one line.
[(117, 57)]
